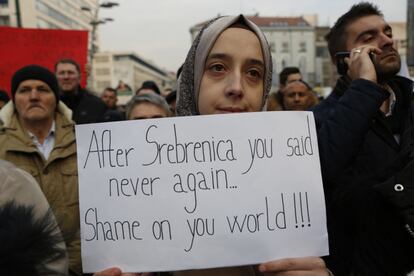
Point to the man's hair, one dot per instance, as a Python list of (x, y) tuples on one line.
[(70, 61), (152, 98), (111, 90), (336, 37), (284, 74)]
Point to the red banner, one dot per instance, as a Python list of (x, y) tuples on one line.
[(20, 47)]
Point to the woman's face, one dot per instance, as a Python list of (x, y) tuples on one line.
[(233, 74)]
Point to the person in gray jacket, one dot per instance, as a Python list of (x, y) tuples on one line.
[(31, 241)]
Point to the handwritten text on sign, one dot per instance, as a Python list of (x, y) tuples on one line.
[(198, 192)]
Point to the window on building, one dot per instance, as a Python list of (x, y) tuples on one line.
[(4, 2), (43, 8), (322, 51), (285, 47), (4, 21), (101, 59), (101, 85), (102, 71), (302, 47)]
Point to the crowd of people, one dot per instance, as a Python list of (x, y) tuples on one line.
[(365, 134)]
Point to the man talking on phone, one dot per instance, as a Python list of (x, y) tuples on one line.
[(366, 142)]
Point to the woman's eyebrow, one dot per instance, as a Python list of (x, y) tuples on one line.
[(223, 56), (257, 62), (218, 56)]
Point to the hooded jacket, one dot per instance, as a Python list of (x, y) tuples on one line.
[(57, 176), (188, 91), (38, 244)]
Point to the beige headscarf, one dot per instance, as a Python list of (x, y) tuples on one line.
[(193, 68)]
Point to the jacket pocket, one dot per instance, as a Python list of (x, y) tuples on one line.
[(70, 185)]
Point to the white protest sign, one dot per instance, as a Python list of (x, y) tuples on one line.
[(199, 192)]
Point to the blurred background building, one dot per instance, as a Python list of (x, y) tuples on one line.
[(291, 40), (83, 15), (46, 14), (111, 68), (300, 41)]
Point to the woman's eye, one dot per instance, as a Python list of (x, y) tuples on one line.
[(254, 73), (216, 68)]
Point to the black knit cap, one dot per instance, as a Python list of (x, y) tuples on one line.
[(35, 72)]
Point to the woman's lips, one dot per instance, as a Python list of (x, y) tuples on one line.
[(231, 109)]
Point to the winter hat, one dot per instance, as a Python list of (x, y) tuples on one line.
[(35, 72)]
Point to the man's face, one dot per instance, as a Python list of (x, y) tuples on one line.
[(373, 30), (146, 110), (109, 98), (35, 101), (296, 97), (68, 77), (233, 76)]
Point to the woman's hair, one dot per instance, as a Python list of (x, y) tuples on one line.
[(147, 98)]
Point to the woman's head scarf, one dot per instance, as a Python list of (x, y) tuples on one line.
[(192, 71)]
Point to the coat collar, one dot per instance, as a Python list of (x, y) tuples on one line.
[(7, 112), (21, 142)]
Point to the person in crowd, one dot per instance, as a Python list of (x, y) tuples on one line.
[(273, 103), (286, 76), (219, 79), (147, 106), (123, 88), (31, 242), (148, 87), (366, 143), (110, 97), (289, 75), (37, 135), (86, 107), (172, 100), (298, 96), (166, 92), (4, 98)]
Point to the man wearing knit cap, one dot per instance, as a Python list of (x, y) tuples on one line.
[(37, 135)]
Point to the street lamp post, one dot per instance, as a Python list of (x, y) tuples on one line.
[(95, 21)]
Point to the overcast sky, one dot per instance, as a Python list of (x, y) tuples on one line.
[(158, 30)]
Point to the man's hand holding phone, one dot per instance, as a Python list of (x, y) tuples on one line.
[(359, 63)]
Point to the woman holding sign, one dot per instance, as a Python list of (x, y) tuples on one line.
[(229, 69)]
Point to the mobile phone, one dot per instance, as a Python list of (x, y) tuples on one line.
[(341, 65)]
